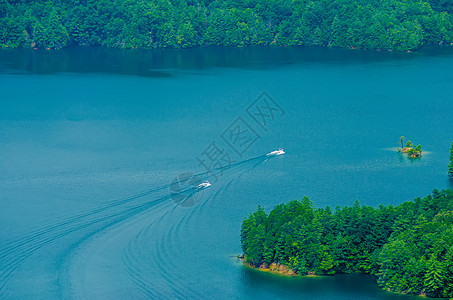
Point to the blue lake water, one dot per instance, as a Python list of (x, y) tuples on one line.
[(91, 140)]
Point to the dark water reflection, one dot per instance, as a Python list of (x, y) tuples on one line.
[(163, 62), (349, 286)]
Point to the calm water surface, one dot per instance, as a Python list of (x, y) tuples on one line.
[(91, 139)]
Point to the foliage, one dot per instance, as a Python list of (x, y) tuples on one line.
[(409, 248), (399, 25), (402, 139), (415, 152)]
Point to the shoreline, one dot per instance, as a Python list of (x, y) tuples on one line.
[(280, 270), (271, 45), (284, 271), (410, 151)]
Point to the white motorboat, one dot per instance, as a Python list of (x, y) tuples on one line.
[(276, 152), (203, 185)]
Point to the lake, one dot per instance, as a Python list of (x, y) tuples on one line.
[(101, 152)]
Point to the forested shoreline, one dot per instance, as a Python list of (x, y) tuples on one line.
[(408, 248), (399, 25)]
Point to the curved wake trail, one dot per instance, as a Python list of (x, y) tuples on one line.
[(34, 234), (160, 254), (12, 256), (96, 221), (95, 241), (162, 276), (26, 250)]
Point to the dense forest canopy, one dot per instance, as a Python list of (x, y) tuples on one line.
[(409, 248), (399, 25)]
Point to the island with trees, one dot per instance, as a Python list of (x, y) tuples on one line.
[(409, 149), (408, 247), (393, 25)]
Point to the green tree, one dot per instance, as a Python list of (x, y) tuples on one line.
[(434, 278), (409, 248), (255, 248), (50, 32), (327, 264), (402, 138)]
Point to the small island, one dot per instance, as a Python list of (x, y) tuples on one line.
[(408, 248), (408, 147)]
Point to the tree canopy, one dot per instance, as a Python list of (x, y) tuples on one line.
[(409, 247), (399, 25)]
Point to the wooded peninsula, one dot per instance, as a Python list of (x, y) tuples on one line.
[(408, 248), (399, 25)]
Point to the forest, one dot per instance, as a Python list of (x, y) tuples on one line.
[(408, 248), (396, 25)]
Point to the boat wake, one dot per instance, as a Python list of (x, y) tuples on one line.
[(137, 225)]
